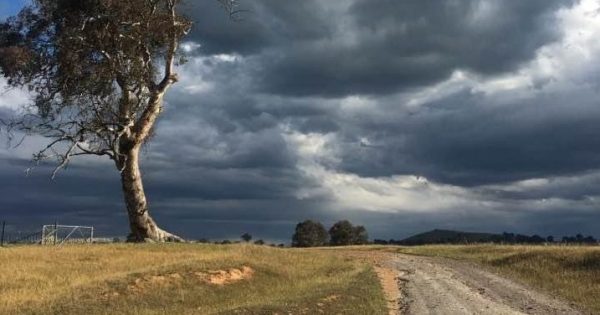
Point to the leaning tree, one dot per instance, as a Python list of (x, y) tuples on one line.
[(98, 71)]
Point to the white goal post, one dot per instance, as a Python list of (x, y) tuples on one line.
[(55, 234)]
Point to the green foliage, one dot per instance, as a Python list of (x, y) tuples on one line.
[(361, 236), (309, 234), (344, 233), (75, 53)]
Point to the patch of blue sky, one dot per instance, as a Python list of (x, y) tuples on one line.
[(11, 7)]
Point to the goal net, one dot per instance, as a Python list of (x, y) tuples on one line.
[(61, 234)]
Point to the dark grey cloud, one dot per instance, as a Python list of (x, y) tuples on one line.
[(374, 47), (258, 25), (467, 140), (86, 196), (221, 162)]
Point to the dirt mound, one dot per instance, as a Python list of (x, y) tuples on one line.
[(143, 283), (223, 277), (215, 277), (331, 298)]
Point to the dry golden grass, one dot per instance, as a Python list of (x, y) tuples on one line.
[(571, 272), (101, 279)]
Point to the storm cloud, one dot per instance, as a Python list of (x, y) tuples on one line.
[(400, 115)]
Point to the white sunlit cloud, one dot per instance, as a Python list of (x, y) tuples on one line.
[(570, 63), (10, 98), (388, 194), (565, 64), (416, 194), (193, 76)]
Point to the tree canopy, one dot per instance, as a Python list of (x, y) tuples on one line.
[(344, 233), (95, 68), (309, 234)]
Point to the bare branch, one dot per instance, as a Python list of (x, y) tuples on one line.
[(232, 8), (65, 160)]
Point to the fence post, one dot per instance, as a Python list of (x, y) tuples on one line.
[(2, 235), (55, 231)]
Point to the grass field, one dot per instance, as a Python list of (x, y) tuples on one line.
[(164, 279), (172, 279), (571, 272)]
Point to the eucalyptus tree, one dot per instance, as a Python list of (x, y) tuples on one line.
[(98, 71)]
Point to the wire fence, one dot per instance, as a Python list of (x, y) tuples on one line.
[(21, 238), (53, 234)]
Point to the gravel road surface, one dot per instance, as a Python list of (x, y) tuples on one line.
[(429, 285)]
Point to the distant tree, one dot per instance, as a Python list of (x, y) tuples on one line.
[(550, 239), (536, 239), (361, 236), (522, 239), (380, 242), (246, 237), (579, 239), (344, 233), (97, 72), (226, 242), (309, 234), (341, 233), (589, 240), (259, 242)]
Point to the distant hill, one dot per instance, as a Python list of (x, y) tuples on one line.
[(458, 237), (451, 237)]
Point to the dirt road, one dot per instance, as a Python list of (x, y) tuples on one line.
[(442, 286)]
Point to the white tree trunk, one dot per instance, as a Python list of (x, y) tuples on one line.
[(143, 228)]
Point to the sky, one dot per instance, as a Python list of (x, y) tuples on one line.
[(11, 7), (402, 116)]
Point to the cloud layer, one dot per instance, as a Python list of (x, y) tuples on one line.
[(401, 116)]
